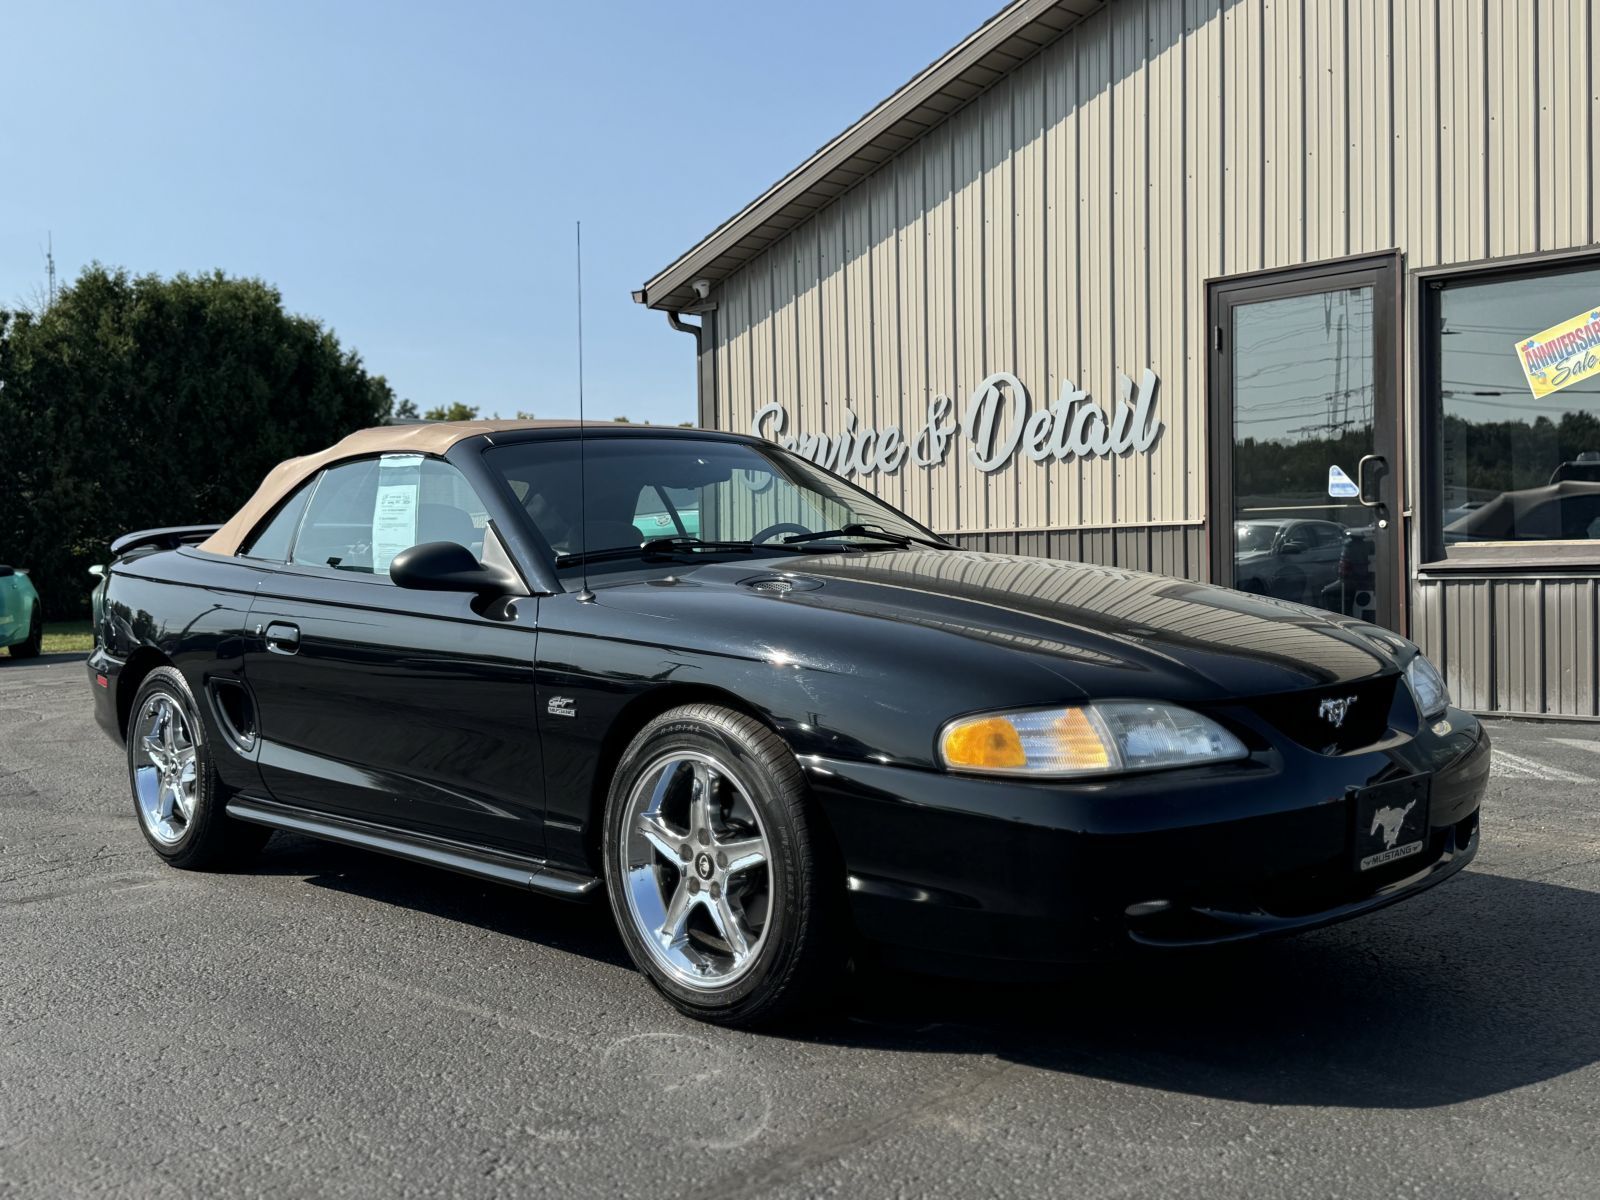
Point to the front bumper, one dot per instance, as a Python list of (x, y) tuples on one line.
[(951, 872)]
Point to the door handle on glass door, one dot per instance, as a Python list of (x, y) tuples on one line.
[(1369, 472), (283, 638)]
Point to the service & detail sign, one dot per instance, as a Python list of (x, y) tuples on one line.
[(998, 422)]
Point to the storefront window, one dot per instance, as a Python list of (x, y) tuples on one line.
[(1519, 410)]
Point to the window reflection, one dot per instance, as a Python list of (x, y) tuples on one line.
[(1514, 467), (1303, 402)]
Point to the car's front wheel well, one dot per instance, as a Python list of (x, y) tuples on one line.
[(639, 713), (140, 663)]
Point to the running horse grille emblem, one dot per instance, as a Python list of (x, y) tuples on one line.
[(1335, 711)]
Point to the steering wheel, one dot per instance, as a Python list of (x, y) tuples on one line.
[(780, 527)]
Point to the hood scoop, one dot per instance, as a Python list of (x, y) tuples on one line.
[(780, 585)]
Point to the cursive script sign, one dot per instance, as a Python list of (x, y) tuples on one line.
[(998, 422)]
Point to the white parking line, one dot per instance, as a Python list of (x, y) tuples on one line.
[(1592, 745), (1507, 763)]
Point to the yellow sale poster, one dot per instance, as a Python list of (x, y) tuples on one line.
[(1560, 356)]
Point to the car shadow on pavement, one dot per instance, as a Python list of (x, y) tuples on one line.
[(579, 928), (1486, 985)]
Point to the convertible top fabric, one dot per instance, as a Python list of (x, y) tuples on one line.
[(434, 437)]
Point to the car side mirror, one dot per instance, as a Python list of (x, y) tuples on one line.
[(1292, 548), (448, 567)]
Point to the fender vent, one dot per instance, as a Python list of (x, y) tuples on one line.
[(236, 712)]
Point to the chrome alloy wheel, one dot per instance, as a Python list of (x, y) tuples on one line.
[(165, 778), (696, 858)]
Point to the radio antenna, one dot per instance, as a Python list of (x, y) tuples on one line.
[(585, 595)]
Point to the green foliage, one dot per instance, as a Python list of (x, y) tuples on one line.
[(406, 408), (1488, 457), (456, 412), (1484, 457), (135, 402)]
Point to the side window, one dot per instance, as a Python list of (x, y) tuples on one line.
[(272, 540), (448, 510), (364, 513), (337, 531)]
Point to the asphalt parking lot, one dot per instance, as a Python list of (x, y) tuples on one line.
[(341, 1024)]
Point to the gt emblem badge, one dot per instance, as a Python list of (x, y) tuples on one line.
[(1389, 820), (562, 706), (1334, 711)]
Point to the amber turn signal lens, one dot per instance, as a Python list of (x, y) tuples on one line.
[(985, 743), (1080, 745)]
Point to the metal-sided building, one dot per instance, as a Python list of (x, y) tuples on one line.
[(1299, 296)]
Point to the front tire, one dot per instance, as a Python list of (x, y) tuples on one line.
[(724, 888), (178, 796)]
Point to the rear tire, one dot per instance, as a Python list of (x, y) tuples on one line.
[(29, 646), (727, 894), (178, 797)]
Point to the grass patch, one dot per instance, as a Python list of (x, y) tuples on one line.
[(68, 637)]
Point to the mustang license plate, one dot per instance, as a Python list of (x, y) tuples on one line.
[(1391, 821)]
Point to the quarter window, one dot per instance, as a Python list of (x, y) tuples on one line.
[(272, 540)]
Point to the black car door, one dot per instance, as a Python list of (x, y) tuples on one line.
[(401, 707)]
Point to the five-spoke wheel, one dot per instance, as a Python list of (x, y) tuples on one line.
[(179, 797), (164, 772), (696, 857), (727, 896)]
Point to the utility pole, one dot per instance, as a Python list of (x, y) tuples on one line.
[(50, 266)]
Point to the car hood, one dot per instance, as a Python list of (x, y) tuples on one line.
[(1108, 631)]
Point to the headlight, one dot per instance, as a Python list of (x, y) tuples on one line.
[(1087, 739), (1427, 685)]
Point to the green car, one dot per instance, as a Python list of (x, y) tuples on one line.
[(21, 620)]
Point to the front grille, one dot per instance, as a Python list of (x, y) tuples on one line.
[(1309, 717)]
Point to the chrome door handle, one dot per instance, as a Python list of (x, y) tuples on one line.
[(1367, 481), (283, 638)]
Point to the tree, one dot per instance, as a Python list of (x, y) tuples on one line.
[(406, 409), (135, 402), (456, 412)]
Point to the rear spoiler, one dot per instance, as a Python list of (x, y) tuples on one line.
[(169, 538)]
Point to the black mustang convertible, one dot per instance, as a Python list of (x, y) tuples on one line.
[(776, 721)]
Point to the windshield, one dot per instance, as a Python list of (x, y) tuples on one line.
[(693, 489)]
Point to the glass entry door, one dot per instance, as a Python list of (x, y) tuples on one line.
[(1304, 438)]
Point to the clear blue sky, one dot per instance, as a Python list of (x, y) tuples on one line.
[(410, 173)]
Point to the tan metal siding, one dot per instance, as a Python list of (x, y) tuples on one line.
[(1515, 645), (1061, 226), (1064, 225)]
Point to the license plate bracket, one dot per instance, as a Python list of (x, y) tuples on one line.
[(1390, 822)]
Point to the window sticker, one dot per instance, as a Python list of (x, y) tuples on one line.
[(394, 512), (1341, 485), (1562, 355)]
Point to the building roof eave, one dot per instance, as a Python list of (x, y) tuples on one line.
[(1010, 37)]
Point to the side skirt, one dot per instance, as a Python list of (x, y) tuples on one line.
[(498, 866)]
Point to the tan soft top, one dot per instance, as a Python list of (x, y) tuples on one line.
[(433, 437)]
